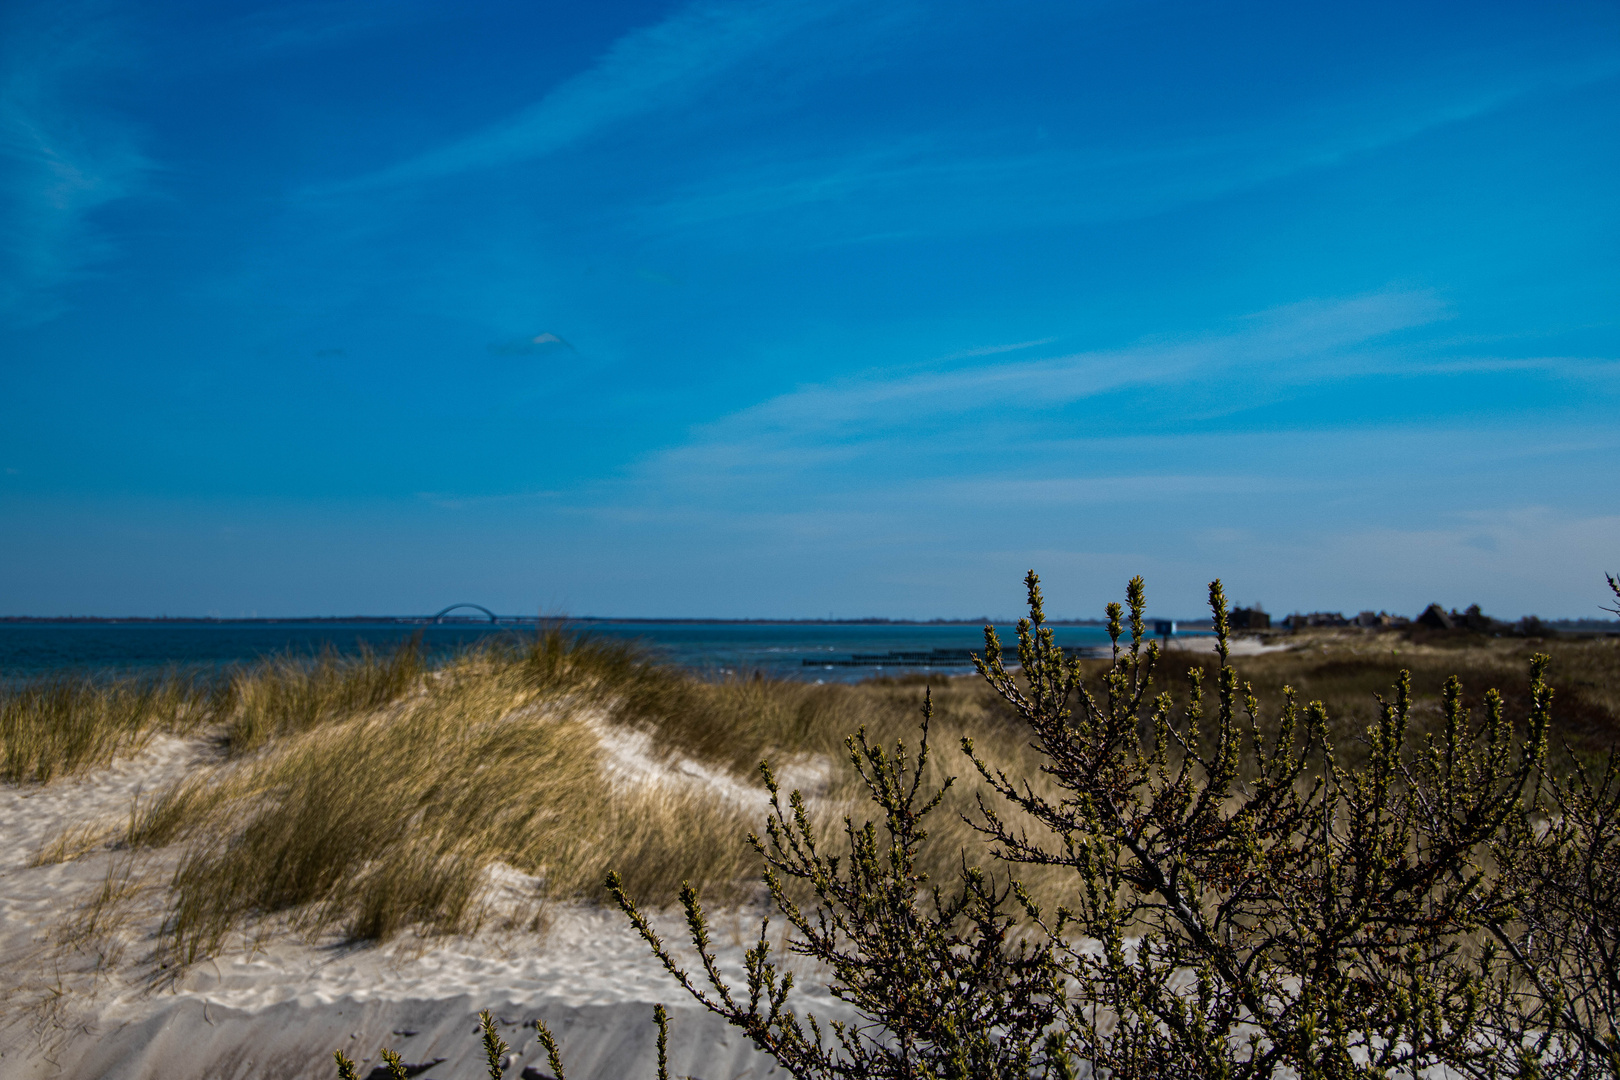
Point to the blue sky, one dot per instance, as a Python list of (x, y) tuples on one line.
[(799, 307)]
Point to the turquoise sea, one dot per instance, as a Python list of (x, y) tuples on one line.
[(842, 652)]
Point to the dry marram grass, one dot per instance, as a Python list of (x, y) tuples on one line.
[(372, 795), (56, 727), (390, 819)]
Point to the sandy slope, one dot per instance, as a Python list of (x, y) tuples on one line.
[(1238, 646), (91, 1001)]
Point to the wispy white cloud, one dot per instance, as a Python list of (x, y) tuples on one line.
[(58, 164), (992, 350), (1589, 368), (991, 433), (655, 68), (899, 181), (839, 420)]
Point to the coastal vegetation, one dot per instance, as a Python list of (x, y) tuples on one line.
[(62, 725), (1239, 900), (1147, 861), (55, 727)]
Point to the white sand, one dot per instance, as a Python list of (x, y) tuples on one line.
[(1239, 646), (631, 760), (95, 1005)]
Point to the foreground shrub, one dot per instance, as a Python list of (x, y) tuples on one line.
[(1566, 937), (1249, 907), (951, 988), (1237, 905)]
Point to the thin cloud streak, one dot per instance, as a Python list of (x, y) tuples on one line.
[(58, 164), (864, 410), (1093, 184), (993, 350), (655, 68)]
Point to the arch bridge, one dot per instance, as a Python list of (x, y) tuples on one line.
[(439, 617)]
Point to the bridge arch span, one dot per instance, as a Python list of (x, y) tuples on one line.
[(476, 607)]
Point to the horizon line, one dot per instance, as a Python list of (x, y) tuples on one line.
[(536, 620)]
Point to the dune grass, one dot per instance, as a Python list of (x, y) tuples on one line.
[(381, 823), (285, 695), (390, 818), (371, 795), (50, 728), (60, 726), (372, 821)]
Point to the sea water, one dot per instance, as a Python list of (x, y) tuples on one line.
[(841, 652)]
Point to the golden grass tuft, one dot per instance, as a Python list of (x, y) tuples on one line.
[(372, 795), (390, 820), (55, 727), (387, 820), (77, 841), (289, 694)]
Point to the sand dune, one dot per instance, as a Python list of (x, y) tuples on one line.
[(88, 998)]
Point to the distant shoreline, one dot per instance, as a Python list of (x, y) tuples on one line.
[(515, 620), (1200, 625)]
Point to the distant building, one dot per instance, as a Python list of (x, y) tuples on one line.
[(1435, 618), (1476, 620), (1317, 618), (1242, 618), (1472, 619)]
